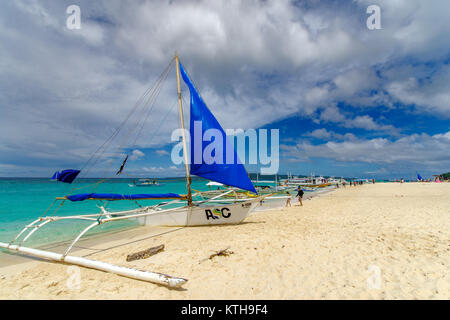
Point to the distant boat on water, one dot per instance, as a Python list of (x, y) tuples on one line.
[(146, 183), (311, 181)]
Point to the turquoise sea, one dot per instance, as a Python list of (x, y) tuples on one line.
[(22, 200)]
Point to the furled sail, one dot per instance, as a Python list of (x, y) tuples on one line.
[(224, 166), (66, 176), (115, 196)]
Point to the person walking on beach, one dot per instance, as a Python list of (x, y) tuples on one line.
[(300, 195), (288, 200)]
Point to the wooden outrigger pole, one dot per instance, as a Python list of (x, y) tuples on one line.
[(180, 104)]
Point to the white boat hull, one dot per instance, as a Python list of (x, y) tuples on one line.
[(199, 216)]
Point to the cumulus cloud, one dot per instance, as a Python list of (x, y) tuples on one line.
[(255, 62), (320, 134), (416, 150), (160, 170), (332, 114), (430, 93), (366, 122), (136, 154), (162, 152), (324, 134)]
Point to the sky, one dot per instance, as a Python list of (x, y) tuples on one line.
[(348, 101)]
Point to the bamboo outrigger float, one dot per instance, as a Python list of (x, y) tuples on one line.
[(193, 213), (158, 278)]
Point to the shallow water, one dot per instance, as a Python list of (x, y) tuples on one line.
[(23, 200)]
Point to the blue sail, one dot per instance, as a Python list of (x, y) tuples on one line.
[(224, 166), (66, 176), (55, 175), (115, 196)]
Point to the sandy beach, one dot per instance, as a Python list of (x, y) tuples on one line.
[(382, 241)]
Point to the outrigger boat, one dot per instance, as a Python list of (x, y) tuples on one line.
[(311, 182), (190, 213), (146, 183)]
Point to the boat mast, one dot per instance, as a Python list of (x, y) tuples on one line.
[(188, 175)]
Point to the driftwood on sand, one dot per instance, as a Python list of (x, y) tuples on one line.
[(223, 253), (144, 254)]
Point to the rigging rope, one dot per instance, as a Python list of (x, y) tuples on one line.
[(150, 102), (151, 93), (154, 89)]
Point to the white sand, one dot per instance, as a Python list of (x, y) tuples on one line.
[(319, 251)]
